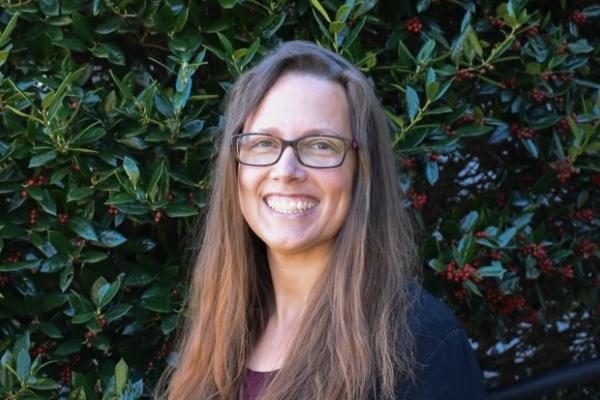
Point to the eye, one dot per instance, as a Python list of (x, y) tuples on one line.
[(322, 145), (261, 143)]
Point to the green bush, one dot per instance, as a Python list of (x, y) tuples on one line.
[(109, 111)]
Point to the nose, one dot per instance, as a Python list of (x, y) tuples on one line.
[(288, 168)]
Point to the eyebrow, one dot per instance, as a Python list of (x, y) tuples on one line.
[(316, 131)]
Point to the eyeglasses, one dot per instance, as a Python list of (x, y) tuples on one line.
[(314, 151)]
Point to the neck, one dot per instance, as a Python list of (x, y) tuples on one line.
[(294, 276)]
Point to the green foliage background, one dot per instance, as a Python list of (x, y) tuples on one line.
[(109, 111)]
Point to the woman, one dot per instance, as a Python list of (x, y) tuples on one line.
[(304, 286)]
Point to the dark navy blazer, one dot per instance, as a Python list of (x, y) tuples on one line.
[(446, 365)]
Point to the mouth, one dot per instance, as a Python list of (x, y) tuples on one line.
[(290, 205)]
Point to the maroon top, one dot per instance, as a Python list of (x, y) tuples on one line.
[(255, 383)]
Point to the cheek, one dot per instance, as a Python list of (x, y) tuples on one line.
[(345, 188), (244, 184), (347, 178), (339, 189), (248, 184)]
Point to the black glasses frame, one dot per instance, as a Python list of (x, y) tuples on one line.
[(349, 144)]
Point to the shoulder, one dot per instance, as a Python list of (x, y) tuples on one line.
[(432, 322), (428, 312), (446, 364)]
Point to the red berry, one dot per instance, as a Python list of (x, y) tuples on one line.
[(414, 25), (409, 163), (464, 74), (533, 31), (546, 265), (33, 216), (548, 76), (520, 132), (419, 201), (461, 293), (449, 131), (586, 248), (538, 95), (579, 18), (563, 125), (466, 119), (511, 304), (596, 180), (531, 316), (539, 252), (564, 169), (39, 351), (497, 22), (567, 76), (568, 272), (584, 215), (66, 374), (63, 218)]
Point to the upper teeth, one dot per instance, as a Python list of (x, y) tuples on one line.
[(290, 206)]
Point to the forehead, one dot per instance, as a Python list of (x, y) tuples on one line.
[(302, 102)]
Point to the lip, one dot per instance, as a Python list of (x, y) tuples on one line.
[(293, 197)]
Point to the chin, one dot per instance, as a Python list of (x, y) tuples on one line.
[(286, 246)]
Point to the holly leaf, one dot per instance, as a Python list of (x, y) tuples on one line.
[(412, 102), (42, 159), (121, 374), (110, 238), (82, 228), (132, 171), (432, 172), (23, 365)]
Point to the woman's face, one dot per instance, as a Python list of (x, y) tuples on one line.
[(291, 207)]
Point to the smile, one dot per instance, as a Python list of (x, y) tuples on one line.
[(290, 206)]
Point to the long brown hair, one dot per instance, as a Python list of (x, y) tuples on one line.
[(356, 340)]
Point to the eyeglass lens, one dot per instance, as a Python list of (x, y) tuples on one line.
[(317, 151)]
